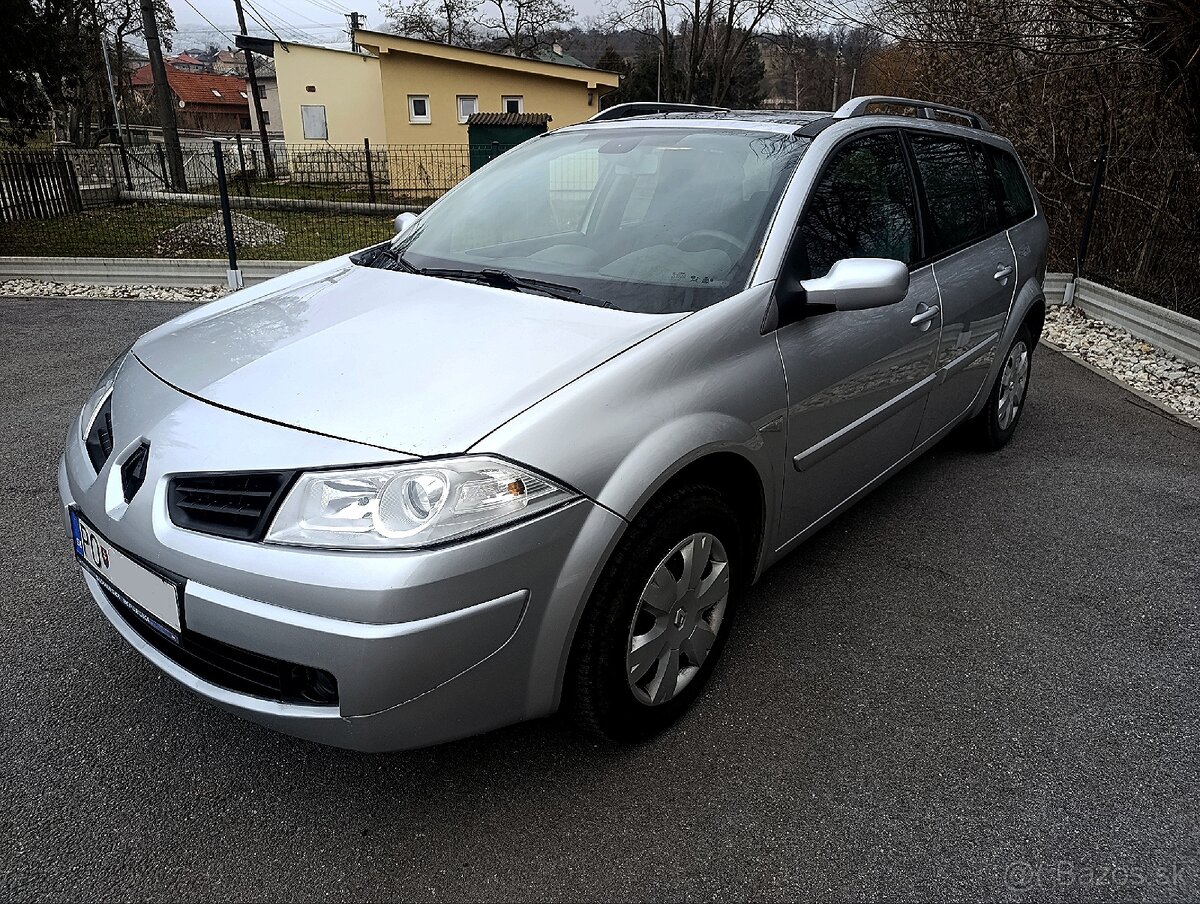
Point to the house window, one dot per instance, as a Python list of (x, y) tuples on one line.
[(215, 92), (266, 118), (245, 123), (312, 118), (513, 104), (262, 92), (418, 108), (467, 104)]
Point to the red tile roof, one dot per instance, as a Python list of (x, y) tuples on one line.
[(199, 87)]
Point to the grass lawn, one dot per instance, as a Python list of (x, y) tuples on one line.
[(323, 192), (133, 231)]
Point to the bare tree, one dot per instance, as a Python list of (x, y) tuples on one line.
[(443, 21), (1065, 79), (523, 26), (700, 43), (527, 25)]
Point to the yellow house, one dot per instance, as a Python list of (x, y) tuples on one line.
[(395, 90)]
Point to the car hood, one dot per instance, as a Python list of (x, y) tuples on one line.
[(407, 363)]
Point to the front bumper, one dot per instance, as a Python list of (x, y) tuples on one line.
[(425, 646)]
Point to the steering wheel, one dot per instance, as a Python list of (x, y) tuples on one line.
[(718, 239)]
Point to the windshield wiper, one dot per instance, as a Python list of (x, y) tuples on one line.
[(502, 279), (385, 257)]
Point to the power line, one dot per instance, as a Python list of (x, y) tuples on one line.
[(305, 34), (261, 19), (285, 11), (332, 6), (209, 21)]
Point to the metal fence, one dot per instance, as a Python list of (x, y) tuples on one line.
[(1144, 238), (314, 201), (311, 202)]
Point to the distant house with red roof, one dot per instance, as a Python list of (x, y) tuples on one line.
[(203, 101), (187, 63)]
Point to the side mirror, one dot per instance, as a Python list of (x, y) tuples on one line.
[(403, 221), (858, 283)]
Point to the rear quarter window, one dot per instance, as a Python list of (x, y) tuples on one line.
[(956, 176), (1017, 199)]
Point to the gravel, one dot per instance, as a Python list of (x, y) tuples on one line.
[(1158, 374), (36, 288), (209, 232)]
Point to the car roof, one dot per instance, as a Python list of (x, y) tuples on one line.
[(805, 123), (810, 122), (784, 121)]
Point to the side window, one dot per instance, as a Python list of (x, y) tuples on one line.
[(1018, 202), (862, 207), (958, 190)]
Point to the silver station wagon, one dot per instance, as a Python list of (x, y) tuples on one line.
[(532, 453)]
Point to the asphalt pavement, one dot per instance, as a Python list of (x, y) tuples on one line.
[(981, 683)]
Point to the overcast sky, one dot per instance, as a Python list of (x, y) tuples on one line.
[(300, 20)]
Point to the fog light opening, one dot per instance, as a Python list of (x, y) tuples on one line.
[(315, 685)]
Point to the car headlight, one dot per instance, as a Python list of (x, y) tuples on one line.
[(102, 391), (410, 505)]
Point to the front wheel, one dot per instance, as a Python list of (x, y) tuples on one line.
[(994, 426), (656, 622)]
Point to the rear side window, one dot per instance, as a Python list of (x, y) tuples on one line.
[(1017, 201), (862, 207), (957, 179)]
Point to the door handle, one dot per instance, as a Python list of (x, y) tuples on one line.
[(924, 315), (1002, 273)]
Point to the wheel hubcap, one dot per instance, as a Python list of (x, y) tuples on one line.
[(678, 619), (1013, 378)]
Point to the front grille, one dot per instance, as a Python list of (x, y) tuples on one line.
[(99, 440), (238, 505), (133, 471), (230, 667)]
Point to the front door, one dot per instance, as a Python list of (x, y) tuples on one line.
[(857, 380)]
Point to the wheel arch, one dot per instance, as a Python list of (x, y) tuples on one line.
[(738, 481), (1028, 308)]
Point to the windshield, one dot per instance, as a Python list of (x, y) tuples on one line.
[(651, 220)]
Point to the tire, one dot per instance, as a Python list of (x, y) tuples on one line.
[(994, 426), (609, 693)]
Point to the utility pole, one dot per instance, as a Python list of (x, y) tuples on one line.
[(353, 31), (162, 97), (837, 68), (112, 91), (252, 78)]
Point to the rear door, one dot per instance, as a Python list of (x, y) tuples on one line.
[(856, 380), (973, 264), (1026, 231)]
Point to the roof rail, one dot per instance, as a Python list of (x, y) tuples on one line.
[(857, 106), (648, 108)]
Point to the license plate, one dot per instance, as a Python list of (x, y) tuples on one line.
[(152, 594)]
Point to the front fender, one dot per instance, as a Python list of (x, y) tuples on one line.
[(710, 382), (661, 455)]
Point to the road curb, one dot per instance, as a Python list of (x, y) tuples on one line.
[(1112, 378), (101, 298), (133, 271)]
